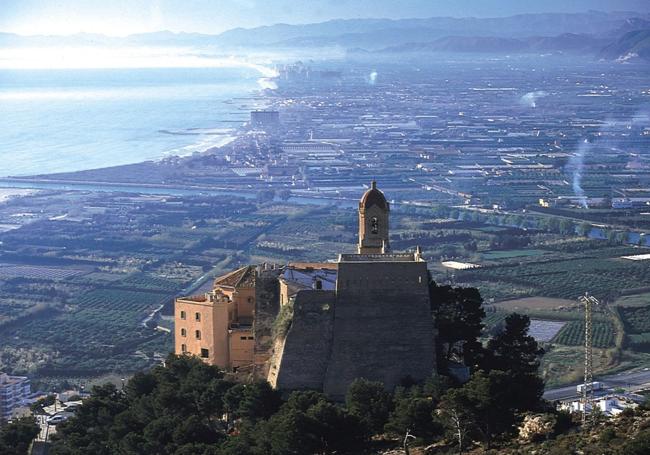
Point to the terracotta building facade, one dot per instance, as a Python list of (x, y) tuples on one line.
[(218, 326)]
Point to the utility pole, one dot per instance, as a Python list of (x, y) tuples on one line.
[(587, 388), (407, 437)]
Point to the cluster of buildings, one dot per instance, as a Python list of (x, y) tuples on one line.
[(609, 405), (461, 135), (320, 325)]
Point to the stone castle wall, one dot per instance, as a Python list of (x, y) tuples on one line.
[(267, 306), (300, 360), (377, 325), (383, 327)]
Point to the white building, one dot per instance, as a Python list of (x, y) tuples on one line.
[(14, 393), (609, 405)]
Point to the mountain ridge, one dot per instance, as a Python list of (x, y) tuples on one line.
[(603, 35)]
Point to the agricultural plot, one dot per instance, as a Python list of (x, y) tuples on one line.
[(121, 300), (509, 254), (639, 341), (642, 299), (636, 319), (637, 324), (536, 303), (573, 334), (100, 333), (544, 331), (37, 272), (566, 279), (146, 282)]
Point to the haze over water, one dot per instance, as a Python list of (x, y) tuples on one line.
[(67, 120)]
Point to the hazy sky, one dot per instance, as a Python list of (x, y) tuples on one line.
[(121, 17)]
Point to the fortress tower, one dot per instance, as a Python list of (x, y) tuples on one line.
[(375, 322), (373, 222), (366, 315)]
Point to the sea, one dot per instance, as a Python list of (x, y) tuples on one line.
[(68, 120)]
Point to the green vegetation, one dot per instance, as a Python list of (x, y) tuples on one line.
[(458, 314), (566, 279), (282, 322), (641, 299), (573, 334), (637, 319), (508, 254), (16, 437), (188, 407)]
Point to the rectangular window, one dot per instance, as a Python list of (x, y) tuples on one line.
[(183, 348), (205, 353), (251, 338), (197, 316), (183, 315), (242, 338), (198, 334)]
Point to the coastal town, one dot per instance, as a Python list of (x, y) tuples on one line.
[(488, 136), (510, 184)]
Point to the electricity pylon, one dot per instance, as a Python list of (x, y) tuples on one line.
[(587, 388)]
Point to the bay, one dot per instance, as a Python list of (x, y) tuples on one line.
[(68, 120)]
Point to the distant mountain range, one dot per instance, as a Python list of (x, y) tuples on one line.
[(615, 35), (634, 44), (567, 42)]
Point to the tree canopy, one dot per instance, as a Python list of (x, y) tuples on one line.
[(458, 314), (16, 436), (189, 407)]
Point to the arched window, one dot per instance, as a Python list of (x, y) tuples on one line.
[(183, 348), (198, 334), (197, 317), (183, 332), (374, 225)]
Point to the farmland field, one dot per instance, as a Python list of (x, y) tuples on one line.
[(636, 319), (507, 254), (129, 302), (37, 272), (543, 330), (573, 334), (535, 303), (566, 279), (642, 299), (639, 341)]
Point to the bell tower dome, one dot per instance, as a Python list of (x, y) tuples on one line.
[(373, 222)]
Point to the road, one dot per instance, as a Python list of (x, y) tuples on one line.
[(630, 381)]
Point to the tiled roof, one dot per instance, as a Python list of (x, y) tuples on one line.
[(244, 277)]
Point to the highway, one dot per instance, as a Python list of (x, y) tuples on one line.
[(630, 381)]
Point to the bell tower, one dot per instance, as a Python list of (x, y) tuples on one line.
[(373, 222)]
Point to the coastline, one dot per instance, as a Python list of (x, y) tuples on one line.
[(103, 118)]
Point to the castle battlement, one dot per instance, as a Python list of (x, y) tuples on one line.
[(380, 257)]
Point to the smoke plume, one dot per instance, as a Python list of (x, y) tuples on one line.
[(530, 98), (576, 162)]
